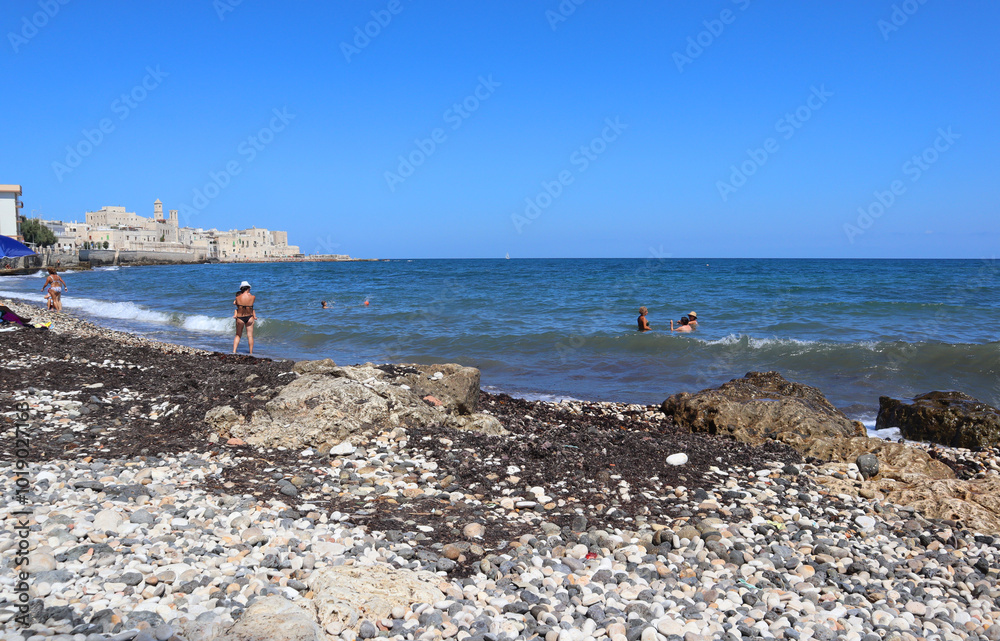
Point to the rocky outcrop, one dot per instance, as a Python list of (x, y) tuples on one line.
[(347, 595), (327, 404), (949, 418), (762, 406), (895, 460)]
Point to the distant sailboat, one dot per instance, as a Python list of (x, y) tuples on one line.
[(508, 256)]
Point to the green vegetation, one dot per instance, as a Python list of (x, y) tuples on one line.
[(36, 233)]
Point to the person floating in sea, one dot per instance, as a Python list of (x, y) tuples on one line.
[(642, 321), (693, 320), (323, 304), (56, 285), (244, 315), (685, 325)]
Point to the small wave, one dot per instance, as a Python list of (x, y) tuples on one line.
[(32, 296), (121, 311), (109, 268), (200, 323)]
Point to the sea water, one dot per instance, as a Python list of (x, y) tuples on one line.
[(553, 329)]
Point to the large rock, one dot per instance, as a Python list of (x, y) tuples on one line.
[(949, 418), (326, 404), (275, 617), (762, 406), (350, 594)]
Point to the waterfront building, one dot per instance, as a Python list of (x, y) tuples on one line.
[(10, 205)]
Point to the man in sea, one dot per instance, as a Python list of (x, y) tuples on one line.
[(685, 325), (643, 323)]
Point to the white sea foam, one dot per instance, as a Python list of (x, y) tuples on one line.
[(889, 433), (533, 396), (199, 323), (123, 311), (109, 268), (32, 296)]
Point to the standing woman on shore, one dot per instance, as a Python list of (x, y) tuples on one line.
[(244, 315), (56, 285)]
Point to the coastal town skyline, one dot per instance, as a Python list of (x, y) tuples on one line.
[(539, 130)]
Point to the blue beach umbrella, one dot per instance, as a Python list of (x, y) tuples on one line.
[(10, 248)]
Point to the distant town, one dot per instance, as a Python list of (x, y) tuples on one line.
[(130, 237)]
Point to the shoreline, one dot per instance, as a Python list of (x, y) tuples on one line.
[(570, 526)]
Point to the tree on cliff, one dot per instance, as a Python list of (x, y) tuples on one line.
[(106, 244), (36, 233)]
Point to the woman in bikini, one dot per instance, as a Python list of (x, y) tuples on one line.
[(244, 315), (56, 285)]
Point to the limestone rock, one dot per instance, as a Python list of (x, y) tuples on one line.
[(330, 404), (949, 418), (274, 617), (896, 461), (223, 419), (975, 503), (350, 594), (762, 406), (324, 366)]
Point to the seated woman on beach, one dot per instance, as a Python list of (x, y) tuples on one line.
[(56, 285), (643, 323), (685, 325), (244, 315)]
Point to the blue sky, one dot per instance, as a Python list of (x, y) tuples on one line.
[(737, 128)]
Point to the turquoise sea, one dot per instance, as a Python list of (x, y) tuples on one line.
[(856, 329)]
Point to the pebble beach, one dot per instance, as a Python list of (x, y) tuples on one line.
[(585, 521)]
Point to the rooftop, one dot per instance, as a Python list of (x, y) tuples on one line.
[(10, 189)]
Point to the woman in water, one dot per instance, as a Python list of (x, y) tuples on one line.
[(643, 323), (56, 285), (244, 315)]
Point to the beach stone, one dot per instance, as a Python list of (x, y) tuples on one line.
[(677, 459), (949, 418), (867, 465), (40, 562), (142, 517), (474, 530), (762, 406), (350, 594), (274, 617), (108, 520)]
